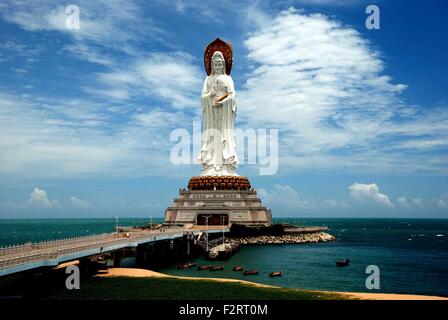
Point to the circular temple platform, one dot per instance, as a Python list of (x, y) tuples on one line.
[(219, 183)]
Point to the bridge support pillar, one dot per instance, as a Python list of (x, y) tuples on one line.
[(117, 259), (140, 253), (84, 267)]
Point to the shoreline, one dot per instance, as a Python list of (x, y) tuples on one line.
[(143, 273)]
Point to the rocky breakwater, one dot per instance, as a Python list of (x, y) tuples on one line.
[(284, 238)]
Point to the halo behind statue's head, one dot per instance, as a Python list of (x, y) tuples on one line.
[(226, 51)]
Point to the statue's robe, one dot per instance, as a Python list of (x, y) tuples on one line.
[(218, 152)]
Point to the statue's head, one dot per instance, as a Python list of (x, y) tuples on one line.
[(218, 63)]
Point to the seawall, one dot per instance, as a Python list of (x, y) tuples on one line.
[(284, 239)]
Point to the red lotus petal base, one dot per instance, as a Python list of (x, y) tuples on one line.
[(219, 183)]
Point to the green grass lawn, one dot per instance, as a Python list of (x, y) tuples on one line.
[(122, 288)]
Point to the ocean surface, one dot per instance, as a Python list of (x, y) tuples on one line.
[(412, 254)]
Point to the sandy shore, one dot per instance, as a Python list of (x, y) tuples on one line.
[(132, 272), (390, 296)]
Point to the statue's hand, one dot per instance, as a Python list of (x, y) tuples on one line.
[(217, 103)]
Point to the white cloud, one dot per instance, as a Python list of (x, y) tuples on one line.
[(208, 13), (285, 199), (283, 196), (59, 138), (77, 138), (417, 202), (317, 80), (160, 119), (39, 198), (180, 6), (105, 26), (100, 21), (323, 85), (171, 77), (423, 144), (113, 93), (89, 53), (19, 71), (332, 203), (369, 192), (403, 202), (79, 203), (327, 2), (442, 202)]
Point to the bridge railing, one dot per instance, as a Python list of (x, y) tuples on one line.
[(25, 259), (25, 252), (49, 244), (30, 257), (13, 249)]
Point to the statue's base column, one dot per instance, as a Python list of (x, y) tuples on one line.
[(218, 200)]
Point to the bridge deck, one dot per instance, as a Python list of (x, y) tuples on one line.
[(51, 253)]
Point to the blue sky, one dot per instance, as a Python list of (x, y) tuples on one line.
[(86, 115)]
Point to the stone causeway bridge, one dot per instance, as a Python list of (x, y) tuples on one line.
[(18, 258)]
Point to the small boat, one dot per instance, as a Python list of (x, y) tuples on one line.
[(214, 268), (250, 272), (187, 265), (342, 262), (274, 274), (204, 267), (238, 268)]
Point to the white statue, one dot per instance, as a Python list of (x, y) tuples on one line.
[(218, 152)]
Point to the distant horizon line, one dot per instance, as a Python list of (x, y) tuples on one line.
[(284, 217)]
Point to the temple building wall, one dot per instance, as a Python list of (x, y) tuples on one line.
[(218, 207)]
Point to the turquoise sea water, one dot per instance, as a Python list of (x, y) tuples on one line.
[(412, 254)]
